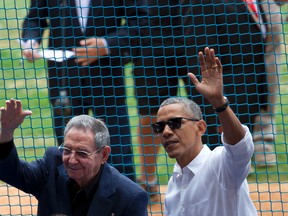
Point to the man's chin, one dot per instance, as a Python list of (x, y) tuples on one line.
[(171, 150), (171, 155), (74, 173)]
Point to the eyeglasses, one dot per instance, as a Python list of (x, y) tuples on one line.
[(79, 153), (173, 123)]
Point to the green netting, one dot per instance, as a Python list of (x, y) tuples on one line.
[(211, 24)]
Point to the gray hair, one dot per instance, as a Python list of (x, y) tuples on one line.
[(190, 107), (89, 123)]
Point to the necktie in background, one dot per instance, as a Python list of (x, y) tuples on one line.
[(254, 9), (252, 6)]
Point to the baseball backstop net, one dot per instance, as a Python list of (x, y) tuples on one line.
[(149, 46)]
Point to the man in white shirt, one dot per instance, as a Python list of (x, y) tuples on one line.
[(180, 126)]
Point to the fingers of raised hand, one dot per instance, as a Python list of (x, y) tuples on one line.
[(208, 61), (18, 106), (13, 106), (214, 66), (210, 58), (203, 65), (12, 115), (10, 105)]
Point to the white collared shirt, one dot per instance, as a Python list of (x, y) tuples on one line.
[(214, 183), (82, 7)]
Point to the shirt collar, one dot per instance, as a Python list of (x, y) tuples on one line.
[(89, 189), (195, 165)]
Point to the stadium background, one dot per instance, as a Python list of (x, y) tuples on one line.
[(27, 81)]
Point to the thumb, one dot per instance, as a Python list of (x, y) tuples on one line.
[(83, 42), (27, 113), (87, 42), (193, 78)]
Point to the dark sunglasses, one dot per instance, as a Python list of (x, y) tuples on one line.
[(173, 123)]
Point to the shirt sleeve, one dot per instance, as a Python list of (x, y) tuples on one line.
[(243, 150), (236, 161)]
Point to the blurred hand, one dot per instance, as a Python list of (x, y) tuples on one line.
[(11, 118), (30, 50), (92, 49)]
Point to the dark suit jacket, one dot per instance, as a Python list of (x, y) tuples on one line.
[(47, 180), (105, 20)]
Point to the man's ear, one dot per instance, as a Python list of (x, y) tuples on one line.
[(105, 153), (201, 127)]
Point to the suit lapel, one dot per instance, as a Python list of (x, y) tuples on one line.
[(103, 200), (63, 192), (74, 17), (96, 8)]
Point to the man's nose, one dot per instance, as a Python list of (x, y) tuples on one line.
[(167, 130), (72, 157)]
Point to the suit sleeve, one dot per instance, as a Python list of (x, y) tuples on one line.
[(5, 149), (35, 22), (28, 177)]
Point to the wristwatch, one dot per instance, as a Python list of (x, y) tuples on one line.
[(223, 107)]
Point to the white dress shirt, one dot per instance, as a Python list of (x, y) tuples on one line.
[(214, 183), (83, 7)]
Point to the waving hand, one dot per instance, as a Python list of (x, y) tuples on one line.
[(211, 85), (11, 118)]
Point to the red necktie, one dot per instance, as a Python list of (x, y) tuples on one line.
[(252, 6)]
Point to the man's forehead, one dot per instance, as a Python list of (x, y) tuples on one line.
[(171, 110), (79, 137)]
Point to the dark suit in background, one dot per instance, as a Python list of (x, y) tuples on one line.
[(250, 48), (76, 89), (166, 61), (182, 28)]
